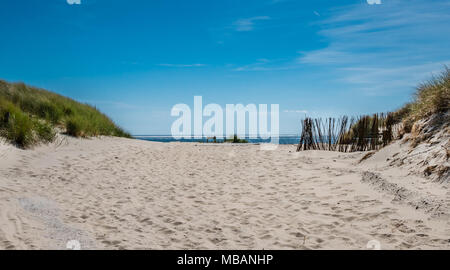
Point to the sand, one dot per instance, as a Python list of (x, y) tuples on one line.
[(114, 193)]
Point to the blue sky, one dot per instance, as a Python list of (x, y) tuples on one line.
[(136, 59)]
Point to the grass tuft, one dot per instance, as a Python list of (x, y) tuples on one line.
[(431, 97)]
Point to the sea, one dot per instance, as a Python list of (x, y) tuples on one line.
[(283, 139)]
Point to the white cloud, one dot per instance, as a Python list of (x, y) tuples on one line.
[(374, 2), (182, 65), (264, 64), (74, 2), (247, 24), (381, 81), (384, 50), (296, 111)]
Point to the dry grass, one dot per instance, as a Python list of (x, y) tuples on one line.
[(366, 156), (431, 97)]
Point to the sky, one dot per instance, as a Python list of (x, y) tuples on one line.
[(136, 59)]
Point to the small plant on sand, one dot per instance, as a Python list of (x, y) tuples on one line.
[(235, 139)]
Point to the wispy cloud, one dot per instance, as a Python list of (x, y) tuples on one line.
[(248, 24), (182, 65), (376, 81), (374, 2), (273, 2), (74, 2), (385, 48), (296, 111), (264, 64)]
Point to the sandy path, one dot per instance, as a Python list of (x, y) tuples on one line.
[(113, 193)]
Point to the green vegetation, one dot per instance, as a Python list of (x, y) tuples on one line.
[(29, 115), (214, 139), (431, 97), (235, 139)]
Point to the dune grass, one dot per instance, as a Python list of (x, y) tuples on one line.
[(431, 97), (29, 115)]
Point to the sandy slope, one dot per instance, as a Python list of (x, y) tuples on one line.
[(112, 193)]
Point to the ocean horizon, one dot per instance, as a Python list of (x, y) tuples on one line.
[(283, 139)]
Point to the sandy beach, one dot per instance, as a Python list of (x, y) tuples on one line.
[(115, 193)]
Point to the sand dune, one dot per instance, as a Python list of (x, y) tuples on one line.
[(113, 193)]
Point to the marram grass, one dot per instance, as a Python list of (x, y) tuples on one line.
[(29, 115), (431, 97)]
